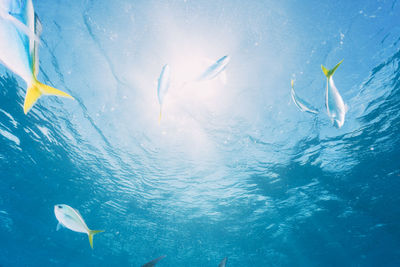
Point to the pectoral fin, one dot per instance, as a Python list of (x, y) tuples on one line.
[(59, 226)]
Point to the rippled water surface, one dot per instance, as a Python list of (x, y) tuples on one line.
[(233, 169)]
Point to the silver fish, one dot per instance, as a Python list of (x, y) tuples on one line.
[(18, 49), (215, 69), (163, 86), (70, 218), (335, 106), (300, 103)]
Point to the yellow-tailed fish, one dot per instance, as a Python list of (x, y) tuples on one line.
[(335, 106), (163, 84), (300, 103), (18, 50), (223, 262), (215, 69), (153, 262), (70, 218)]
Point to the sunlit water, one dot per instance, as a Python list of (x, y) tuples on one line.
[(233, 169)]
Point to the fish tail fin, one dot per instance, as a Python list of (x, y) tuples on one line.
[(329, 73), (36, 90), (91, 234), (292, 83), (325, 71)]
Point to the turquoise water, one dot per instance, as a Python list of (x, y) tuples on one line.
[(234, 169)]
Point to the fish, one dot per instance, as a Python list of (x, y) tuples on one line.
[(163, 85), (215, 69), (303, 105), (223, 262), (153, 262), (70, 218), (335, 105), (19, 50)]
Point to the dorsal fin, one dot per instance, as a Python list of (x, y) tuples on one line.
[(77, 211), (38, 26)]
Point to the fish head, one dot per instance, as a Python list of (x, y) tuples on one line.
[(224, 60), (60, 210), (166, 69), (11, 6), (163, 83)]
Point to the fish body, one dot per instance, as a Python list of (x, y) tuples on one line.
[(19, 48), (303, 105), (15, 46), (215, 69), (10, 11), (70, 218), (223, 262), (335, 105), (163, 85), (153, 262)]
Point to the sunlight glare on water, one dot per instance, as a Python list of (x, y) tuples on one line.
[(234, 169)]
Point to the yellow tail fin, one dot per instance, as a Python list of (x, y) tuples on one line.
[(91, 234), (35, 91), (329, 73)]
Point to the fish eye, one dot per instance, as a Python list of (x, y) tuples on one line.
[(59, 206)]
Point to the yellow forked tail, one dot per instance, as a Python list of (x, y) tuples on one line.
[(329, 73), (36, 89), (91, 234)]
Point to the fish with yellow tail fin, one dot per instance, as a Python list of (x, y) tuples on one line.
[(335, 106), (300, 103), (18, 48), (163, 85), (70, 218), (154, 262), (215, 69)]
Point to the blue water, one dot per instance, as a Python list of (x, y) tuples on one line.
[(232, 170)]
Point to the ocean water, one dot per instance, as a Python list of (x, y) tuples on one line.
[(233, 170)]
